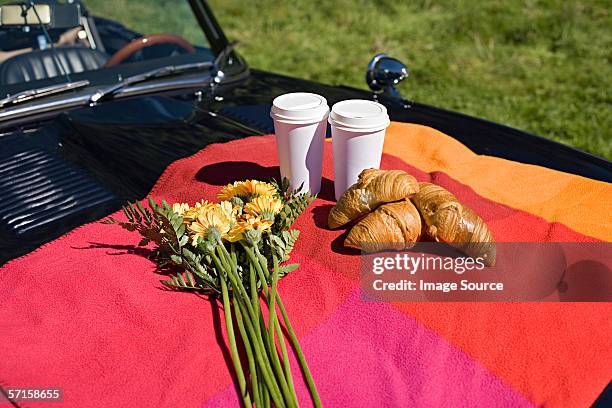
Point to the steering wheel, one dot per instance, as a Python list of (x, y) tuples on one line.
[(147, 41)]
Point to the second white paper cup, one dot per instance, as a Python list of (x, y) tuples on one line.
[(358, 134), (300, 125)]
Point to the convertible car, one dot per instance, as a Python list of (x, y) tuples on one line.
[(93, 110)]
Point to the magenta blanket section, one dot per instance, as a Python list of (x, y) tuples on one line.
[(370, 355)]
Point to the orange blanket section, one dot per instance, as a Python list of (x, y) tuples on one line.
[(523, 330), (550, 194)]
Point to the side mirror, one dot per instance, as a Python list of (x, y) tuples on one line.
[(384, 73)]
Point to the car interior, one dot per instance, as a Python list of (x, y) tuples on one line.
[(61, 38)]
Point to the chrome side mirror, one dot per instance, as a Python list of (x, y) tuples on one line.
[(384, 73)]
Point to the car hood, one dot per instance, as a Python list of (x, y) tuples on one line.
[(85, 163)]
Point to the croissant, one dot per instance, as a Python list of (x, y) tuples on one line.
[(449, 221), (391, 226), (374, 187)]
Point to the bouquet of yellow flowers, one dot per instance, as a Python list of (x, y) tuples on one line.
[(234, 251)]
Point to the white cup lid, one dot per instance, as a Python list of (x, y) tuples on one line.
[(359, 114), (299, 107)]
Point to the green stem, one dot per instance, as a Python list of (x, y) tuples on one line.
[(286, 363), (235, 280), (294, 341), (266, 397), (282, 344), (264, 364), (255, 303), (247, 347), (273, 325), (296, 345), (257, 341), (285, 354), (232, 341), (288, 391), (264, 394), (253, 287)]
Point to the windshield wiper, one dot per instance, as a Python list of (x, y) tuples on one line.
[(111, 90), (41, 92)]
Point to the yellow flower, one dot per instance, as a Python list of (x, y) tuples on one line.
[(211, 219), (264, 206), (191, 213), (229, 210), (180, 208), (258, 188), (202, 203), (246, 190), (235, 233), (228, 192), (257, 223), (246, 223)]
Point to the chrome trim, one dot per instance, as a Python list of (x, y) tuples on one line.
[(374, 61), (158, 73), (92, 41), (44, 106), (383, 73), (251, 130), (30, 94), (198, 81), (161, 86)]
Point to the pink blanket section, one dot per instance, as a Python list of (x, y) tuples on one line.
[(370, 355)]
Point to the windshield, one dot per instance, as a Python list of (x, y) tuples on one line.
[(95, 40)]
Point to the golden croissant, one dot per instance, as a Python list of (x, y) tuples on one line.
[(374, 187), (449, 221), (391, 226)]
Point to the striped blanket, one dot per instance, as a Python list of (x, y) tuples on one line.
[(86, 312)]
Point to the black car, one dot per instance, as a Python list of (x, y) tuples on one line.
[(93, 111)]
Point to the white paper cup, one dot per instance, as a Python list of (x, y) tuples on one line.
[(358, 134), (300, 125)]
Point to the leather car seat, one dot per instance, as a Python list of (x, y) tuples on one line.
[(43, 64)]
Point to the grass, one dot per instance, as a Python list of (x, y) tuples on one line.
[(540, 66), (543, 66)]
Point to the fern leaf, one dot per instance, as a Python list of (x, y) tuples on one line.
[(285, 269), (190, 279), (152, 203)]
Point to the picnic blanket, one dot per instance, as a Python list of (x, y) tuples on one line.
[(86, 312)]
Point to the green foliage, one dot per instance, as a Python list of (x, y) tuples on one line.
[(162, 226), (195, 270), (218, 269), (294, 205), (283, 243), (543, 66), (159, 224), (182, 280), (282, 187)]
